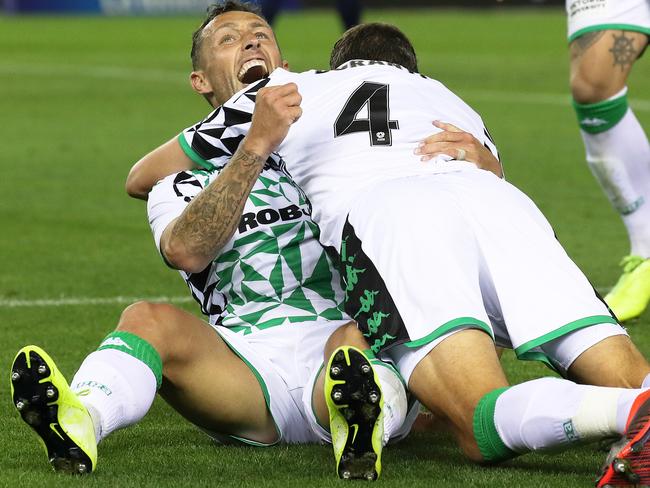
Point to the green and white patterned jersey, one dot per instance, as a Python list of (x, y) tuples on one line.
[(273, 270)]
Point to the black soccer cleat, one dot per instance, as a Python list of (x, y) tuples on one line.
[(45, 402), (355, 403)]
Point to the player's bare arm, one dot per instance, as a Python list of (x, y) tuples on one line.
[(458, 143), (162, 161), (193, 240)]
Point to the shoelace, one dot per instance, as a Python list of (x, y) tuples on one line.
[(630, 263)]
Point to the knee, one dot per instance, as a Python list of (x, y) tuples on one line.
[(153, 322), (346, 335), (587, 89)]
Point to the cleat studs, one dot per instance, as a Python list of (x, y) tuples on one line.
[(50, 392), (346, 475), (82, 468), (20, 405), (637, 447), (32, 417), (373, 396), (337, 395), (42, 369), (370, 476), (15, 376), (620, 465), (336, 370), (365, 368), (339, 357)]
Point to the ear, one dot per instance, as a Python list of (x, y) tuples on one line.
[(285, 64), (200, 83)]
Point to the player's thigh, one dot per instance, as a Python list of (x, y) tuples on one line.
[(218, 391), (614, 361), (601, 62), (203, 379)]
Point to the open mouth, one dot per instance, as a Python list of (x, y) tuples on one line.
[(252, 71)]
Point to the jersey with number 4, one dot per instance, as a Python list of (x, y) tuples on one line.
[(360, 126)]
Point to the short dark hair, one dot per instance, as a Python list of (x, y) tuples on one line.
[(213, 11), (374, 41)]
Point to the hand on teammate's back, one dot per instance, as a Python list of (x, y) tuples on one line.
[(458, 144)]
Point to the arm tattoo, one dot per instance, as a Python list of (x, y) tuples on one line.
[(585, 41), (210, 220), (623, 50)]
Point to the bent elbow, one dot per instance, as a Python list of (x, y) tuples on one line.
[(133, 186), (177, 256)]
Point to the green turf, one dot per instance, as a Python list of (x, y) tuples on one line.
[(81, 99)]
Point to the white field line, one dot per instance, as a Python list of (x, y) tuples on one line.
[(181, 78), (83, 301), (118, 300), (101, 72)]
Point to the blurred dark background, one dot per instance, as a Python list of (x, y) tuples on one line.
[(125, 7)]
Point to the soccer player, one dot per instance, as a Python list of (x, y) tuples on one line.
[(436, 260), (271, 282), (245, 36), (272, 296), (606, 38)]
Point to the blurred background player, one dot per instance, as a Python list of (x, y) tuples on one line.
[(606, 38), (349, 10)]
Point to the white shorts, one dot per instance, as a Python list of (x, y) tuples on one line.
[(427, 255), (285, 359), (594, 15)]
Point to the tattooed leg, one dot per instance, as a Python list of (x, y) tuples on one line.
[(601, 62)]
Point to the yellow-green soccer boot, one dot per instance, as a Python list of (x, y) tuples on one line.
[(44, 401), (631, 294), (355, 403)]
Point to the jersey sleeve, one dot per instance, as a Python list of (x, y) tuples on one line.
[(170, 196), (213, 141)]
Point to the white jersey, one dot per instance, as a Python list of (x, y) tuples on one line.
[(351, 117), (273, 271)]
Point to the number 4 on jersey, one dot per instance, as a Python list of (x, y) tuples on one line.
[(378, 125)]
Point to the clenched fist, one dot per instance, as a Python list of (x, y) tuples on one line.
[(276, 108)]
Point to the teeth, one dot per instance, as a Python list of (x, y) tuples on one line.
[(250, 64)]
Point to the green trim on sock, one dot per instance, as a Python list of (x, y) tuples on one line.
[(594, 118), (136, 347), (487, 437)]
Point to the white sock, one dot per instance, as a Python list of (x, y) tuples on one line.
[(619, 158), (551, 412), (117, 389), (394, 393)]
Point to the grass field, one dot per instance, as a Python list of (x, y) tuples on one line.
[(81, 99)]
